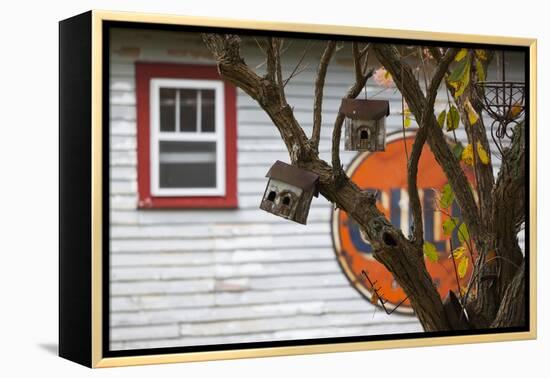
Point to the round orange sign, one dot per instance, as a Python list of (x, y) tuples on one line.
[(386, 172)]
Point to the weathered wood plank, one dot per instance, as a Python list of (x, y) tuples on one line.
[(119, 274), (263, 311), (313, 255), (154, 302), (205, 285), (290, 334), (158, 217)]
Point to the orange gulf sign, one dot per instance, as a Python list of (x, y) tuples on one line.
[(387, 172)]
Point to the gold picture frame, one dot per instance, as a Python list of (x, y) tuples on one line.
[(90, 329)]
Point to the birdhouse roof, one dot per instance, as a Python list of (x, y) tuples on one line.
[(293, 175), (365, 109)]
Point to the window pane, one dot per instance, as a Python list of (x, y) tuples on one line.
[(208, 110), (188, 110), (187, 164), (167, 109)]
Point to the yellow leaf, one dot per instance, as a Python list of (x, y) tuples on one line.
[(473, 117), (468, 155), (462, 267), (458, 253), (515, 110), (407, 117), (463, 290), (387, 75), (461, 54), (482, 154), (490, 257), (481, 54)]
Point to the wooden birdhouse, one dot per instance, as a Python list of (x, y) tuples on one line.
[(289, 191), (365, 124)]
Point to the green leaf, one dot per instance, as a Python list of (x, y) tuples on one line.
[(459, 70), (457, 150), (441, 118), (447, 197), (461, 54), (464, 81), (453, 118), (430, 252), (407, 122), (449, 225), (463, 234), (462, 267), (480, 71)]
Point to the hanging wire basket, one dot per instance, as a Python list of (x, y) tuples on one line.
[(504, 102)]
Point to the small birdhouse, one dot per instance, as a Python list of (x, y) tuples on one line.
[(365, 127), (289, 191)]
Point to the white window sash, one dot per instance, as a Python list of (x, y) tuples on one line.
[(218, 136)]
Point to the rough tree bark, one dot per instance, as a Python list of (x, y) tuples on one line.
[(402, 257)]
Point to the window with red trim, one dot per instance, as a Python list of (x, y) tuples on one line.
[(186, 137)]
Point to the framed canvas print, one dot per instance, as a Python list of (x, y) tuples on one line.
[(234, 189)]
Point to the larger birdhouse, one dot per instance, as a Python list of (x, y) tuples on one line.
[(365, 124), (289, 192)]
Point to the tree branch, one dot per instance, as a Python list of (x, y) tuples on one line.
[(319, 87), (401, 257), (410, 89), (511, 312), (361, 77), (426, 124), (509, 208), (270, 59), (231, 66), (476, 132)]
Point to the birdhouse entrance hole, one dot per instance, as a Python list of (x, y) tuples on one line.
[(271, 196), (364, 134)]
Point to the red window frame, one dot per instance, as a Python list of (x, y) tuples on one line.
[(144, 73)]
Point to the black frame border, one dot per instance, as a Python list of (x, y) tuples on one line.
[(106, 352)]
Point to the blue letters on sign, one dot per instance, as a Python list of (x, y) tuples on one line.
[(395, 217)]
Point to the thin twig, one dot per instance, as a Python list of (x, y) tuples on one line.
[(259, 45), (380, 297), (362, 74), (420, 140), (295, 71)]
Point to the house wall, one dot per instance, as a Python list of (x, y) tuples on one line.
[(189, 277)]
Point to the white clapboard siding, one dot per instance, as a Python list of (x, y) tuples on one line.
[(217, 314), (198, 277), (221, 270), (373, 328), (203, 285), (228, 298)]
